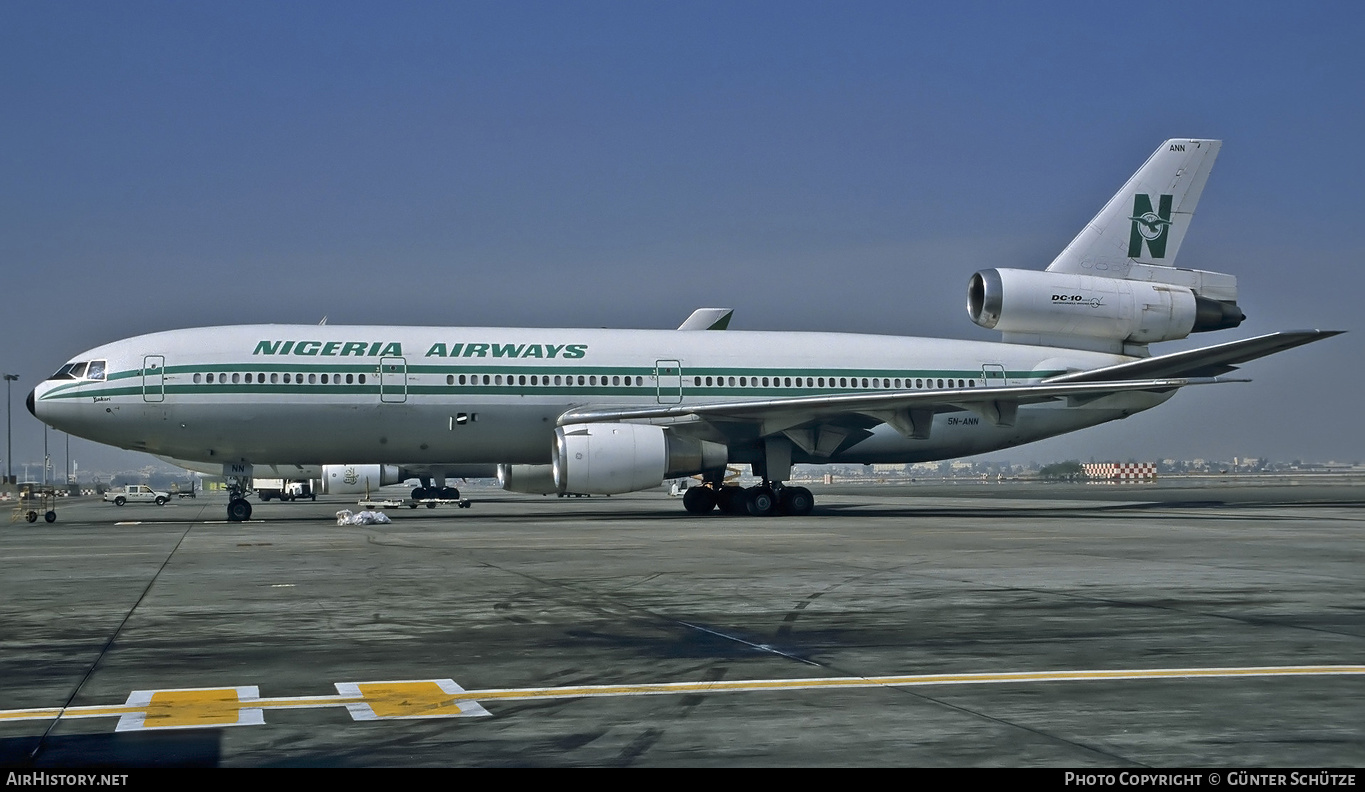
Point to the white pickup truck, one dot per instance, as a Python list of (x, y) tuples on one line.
[(136, 493), (284, 489)]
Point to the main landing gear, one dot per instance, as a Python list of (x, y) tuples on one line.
[(763, 500), (440, 493), (433, 489)]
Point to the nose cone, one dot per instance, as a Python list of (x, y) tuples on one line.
[(29, 403)]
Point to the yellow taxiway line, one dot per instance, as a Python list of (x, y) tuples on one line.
[(443, 698)]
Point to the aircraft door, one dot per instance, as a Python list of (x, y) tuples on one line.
[(154, 378), (393, 380), (668, 376)]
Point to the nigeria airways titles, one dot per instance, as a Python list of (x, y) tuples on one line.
[(395, 349)]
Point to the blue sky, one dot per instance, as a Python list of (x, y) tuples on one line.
[(824, 166)]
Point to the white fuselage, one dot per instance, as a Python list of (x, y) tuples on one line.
[(308, 394)]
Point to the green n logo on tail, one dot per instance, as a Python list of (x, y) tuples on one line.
[(1150, 227)]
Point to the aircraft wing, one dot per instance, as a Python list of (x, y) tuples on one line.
[(1208, 361), (909, 412)]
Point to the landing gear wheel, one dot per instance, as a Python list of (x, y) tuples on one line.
[(239, 510), (699, 500), (31, 516), (795, 501), (449, 493), (50, 516), (420, 493), (732, 500), (760, 501)]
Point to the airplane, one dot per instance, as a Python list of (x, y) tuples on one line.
[(607, 411)]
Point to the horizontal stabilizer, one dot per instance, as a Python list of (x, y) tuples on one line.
[(1205, 362)]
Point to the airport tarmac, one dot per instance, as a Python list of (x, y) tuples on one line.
[(1015, 625)]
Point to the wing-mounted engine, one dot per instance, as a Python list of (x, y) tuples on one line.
[(1092, 312), (612, 458), (358, 479), (528, 479)]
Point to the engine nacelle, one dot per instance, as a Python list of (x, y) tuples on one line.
[(608, 459), (358, 479), (528, 479), (1063, 304)]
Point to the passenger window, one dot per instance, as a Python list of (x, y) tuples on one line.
[(197, 378), (362, 379)]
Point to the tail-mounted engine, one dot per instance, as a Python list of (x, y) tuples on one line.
[(1053, 304), (608, 459)]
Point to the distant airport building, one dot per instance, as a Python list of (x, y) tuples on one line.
[(1120, 471)]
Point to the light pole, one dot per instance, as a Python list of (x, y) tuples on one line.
[(9, 430)]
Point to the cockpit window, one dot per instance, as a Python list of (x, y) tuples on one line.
[(93, 370)]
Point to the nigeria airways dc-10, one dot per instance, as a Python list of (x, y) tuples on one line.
[(611, 411)]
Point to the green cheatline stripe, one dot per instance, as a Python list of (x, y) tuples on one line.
[(470, 390), (633, 371), (95, 388)]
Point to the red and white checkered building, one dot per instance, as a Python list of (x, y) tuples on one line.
[(1120, 471)]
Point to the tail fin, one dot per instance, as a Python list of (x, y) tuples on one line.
[(1145, 222)]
